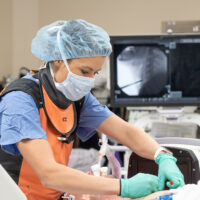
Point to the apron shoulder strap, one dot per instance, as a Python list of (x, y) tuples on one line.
[(25, 85)]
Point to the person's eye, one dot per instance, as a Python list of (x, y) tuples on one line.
[(84, 72), (96, 73)]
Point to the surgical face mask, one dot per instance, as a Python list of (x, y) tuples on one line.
[(74, 87)]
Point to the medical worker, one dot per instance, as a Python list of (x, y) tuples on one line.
[(41, 114)]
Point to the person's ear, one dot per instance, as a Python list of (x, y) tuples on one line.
[(57, 63)]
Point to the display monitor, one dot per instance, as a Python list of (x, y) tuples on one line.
[(155, 70)]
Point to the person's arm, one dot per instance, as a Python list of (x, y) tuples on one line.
[(131, 136), (53, 175), (144, 145)]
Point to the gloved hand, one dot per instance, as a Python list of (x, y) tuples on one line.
[(168, 170), (139, 185)]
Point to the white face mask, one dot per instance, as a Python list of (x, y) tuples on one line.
[(74, 87)]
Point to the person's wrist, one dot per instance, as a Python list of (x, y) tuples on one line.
[(124, 188), (165, 156), (161, 150), (120, 187)]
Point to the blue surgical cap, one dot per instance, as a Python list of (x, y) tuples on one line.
[(77, 38)]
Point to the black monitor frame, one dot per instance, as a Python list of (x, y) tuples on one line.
[(129, 102)]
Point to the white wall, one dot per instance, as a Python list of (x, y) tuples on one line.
[(25, 23), (20, 19), (5, 37), (121, 16)]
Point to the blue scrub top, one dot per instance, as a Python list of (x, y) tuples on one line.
[(19, 119)]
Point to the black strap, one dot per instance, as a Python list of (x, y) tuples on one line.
[(57, 97), (79, 105), (25, 85)]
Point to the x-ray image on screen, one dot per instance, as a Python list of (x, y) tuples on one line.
[(142, 70)]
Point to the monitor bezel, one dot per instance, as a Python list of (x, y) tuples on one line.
[(129, 103)]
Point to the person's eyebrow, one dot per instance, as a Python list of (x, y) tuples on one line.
[(91, 69), (88, 68)]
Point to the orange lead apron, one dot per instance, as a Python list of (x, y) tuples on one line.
[(64, 121)]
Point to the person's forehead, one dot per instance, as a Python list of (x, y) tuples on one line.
[(90, 62)]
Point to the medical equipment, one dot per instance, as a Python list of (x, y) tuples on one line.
[(68, 197), (155, 70), (96, 169), (103, 142), (104, 171), (166, 124), (164, 197), (99, 171), (113, 162), (187, 152)]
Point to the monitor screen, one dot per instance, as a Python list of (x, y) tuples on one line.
[(155, 70)]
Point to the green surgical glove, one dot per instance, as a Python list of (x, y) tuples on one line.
[(168, 170), (139, 185)]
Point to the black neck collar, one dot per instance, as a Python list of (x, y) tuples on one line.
[(47, 82)]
